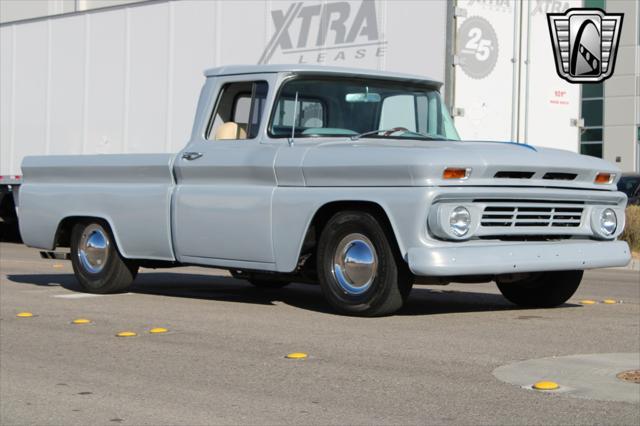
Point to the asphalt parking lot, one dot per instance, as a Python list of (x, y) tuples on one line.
[(223, 359)]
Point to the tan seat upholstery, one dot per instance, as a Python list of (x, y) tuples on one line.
[(230, 130)]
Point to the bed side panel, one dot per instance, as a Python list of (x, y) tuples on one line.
[(131, 192)]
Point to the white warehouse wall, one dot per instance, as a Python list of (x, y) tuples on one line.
[(621, 117), (14, 10), (127, 79)]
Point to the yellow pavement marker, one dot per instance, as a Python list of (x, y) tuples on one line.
[(81, 321), (588, 302), (24, 315), (609, 301), (126, 334), (545, 386), (158, 330), (58, 266), (296, 355)]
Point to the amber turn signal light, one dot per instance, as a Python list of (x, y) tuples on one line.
[(455, 173), (604, 178)]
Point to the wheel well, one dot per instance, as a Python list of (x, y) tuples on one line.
[(63, 234), (326, 212)]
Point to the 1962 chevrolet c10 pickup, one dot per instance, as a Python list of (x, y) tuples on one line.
[(353, 179)]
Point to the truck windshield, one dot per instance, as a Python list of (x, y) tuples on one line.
[(351, 107)]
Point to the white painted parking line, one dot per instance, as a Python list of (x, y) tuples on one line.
[(77, 295), (83, 295)]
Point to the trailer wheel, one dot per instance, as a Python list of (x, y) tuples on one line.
[(543, 290), (97, 263), (359, 271)]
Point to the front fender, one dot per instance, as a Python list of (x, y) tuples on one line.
[(295, 207)]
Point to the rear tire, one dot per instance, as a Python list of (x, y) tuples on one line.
[(97, 263), (360, 271), (542, 290)]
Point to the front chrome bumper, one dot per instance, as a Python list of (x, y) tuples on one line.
[(489, 259)]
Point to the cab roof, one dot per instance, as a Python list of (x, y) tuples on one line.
[(317, 69)]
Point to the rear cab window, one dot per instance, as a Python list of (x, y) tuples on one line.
[(309, 113)]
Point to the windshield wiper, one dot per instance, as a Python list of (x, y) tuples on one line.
[(426, 136), (370, 132), (393, 130)]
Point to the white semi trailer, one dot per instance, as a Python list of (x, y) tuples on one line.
[(126, 79)]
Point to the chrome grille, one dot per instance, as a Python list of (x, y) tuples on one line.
[(532, 214)]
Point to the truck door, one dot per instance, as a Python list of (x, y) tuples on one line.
[(225, 180)]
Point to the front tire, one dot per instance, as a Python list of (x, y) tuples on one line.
[(542, 290), (97, 263), (360, 271)]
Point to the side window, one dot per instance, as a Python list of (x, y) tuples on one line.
[(258, 101), (424, 119), (429, 115), (241, 108), (238, 111)]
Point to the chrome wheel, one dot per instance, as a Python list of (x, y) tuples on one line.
[(355, 264), (93, 250)]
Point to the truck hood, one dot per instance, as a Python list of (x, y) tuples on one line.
[(376, 162)]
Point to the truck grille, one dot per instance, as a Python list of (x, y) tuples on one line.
[(536, 214)]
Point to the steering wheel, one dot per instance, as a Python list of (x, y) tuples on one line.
[(394, 130)]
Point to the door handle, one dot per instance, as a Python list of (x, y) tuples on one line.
[(190, 156)]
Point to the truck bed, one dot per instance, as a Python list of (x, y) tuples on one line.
[(130, 191)]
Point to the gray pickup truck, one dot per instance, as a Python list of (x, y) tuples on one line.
[(352, 179)]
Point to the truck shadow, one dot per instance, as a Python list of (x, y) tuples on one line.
[(9, 233), (422, 301)]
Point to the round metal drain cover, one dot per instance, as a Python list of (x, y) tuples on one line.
[(632, 376)]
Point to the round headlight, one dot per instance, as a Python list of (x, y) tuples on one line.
[(459, 221), (608, 222)]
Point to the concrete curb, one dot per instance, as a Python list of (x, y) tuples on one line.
[(591, 376)]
